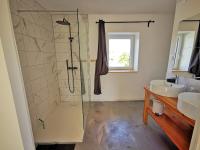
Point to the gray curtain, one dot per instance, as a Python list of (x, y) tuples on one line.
[(101, 62), (194, 66)]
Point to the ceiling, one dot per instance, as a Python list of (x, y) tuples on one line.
[(112, 6)]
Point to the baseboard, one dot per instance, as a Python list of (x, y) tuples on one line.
[(107, 100), (116, 100)]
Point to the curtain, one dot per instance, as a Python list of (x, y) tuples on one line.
[(194, 66), (101, 62)]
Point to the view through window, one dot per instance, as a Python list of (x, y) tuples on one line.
[(121, 50)]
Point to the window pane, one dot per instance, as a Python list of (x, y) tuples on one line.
[(119, 52)]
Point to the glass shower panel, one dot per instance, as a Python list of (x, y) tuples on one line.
[(68, 62), (85, 63), (81, 95), (44, 49)]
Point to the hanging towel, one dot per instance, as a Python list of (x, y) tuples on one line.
[(194, 66), (101, 62)]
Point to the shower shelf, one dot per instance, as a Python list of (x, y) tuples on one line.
[(177, 126)]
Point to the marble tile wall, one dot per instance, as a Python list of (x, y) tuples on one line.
[(62, 44), (36, 48)]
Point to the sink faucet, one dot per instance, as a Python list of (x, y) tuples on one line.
[(177, 79)]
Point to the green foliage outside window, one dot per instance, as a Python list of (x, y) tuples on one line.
[(124, 59)]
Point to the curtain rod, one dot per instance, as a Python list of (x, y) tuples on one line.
[(27, 10), (190, 20), (146, 21)]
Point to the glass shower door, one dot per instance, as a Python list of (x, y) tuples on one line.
[(85, 65)]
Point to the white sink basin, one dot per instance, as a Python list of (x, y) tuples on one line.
[(189, 104), (164, 88)]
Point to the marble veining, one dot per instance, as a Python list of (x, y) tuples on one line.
[(36, 48), (61, 35)]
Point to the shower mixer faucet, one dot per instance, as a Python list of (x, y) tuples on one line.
[(72, 68), (71, 39)]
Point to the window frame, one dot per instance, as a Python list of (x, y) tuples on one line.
[(179, 48), (123, 35)]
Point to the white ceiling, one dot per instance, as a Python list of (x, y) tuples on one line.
[(112, 6)]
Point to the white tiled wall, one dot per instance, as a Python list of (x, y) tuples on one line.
[(43, 48), (191, 84), (36, 48)]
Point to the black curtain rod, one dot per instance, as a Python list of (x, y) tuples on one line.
[(148, 22), (29, 10), (190, 20)]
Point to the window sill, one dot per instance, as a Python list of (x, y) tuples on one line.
[(122, 71), (176, 70)]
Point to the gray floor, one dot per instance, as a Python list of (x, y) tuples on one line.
[(119, 126)]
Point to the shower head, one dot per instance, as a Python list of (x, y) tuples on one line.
[(63, 22)]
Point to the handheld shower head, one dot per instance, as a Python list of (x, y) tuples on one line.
[(63, 22)]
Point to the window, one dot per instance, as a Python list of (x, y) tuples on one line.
[(123, 50), (184, 47)]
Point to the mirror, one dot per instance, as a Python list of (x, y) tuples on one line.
[(185, 42)]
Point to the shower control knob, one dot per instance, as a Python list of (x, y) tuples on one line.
[(74, 68), (71, 38)]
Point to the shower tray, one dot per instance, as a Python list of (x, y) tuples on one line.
[(64, 125)]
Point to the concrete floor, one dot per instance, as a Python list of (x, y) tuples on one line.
[(119, 126)]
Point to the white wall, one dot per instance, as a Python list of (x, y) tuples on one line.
[(153, 55), (9, 123), (13, 107)]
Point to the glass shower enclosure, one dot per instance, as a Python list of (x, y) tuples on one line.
[(55, 67)]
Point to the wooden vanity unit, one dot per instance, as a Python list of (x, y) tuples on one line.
[(177, 126)]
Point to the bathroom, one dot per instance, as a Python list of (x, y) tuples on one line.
[(63, 87)]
